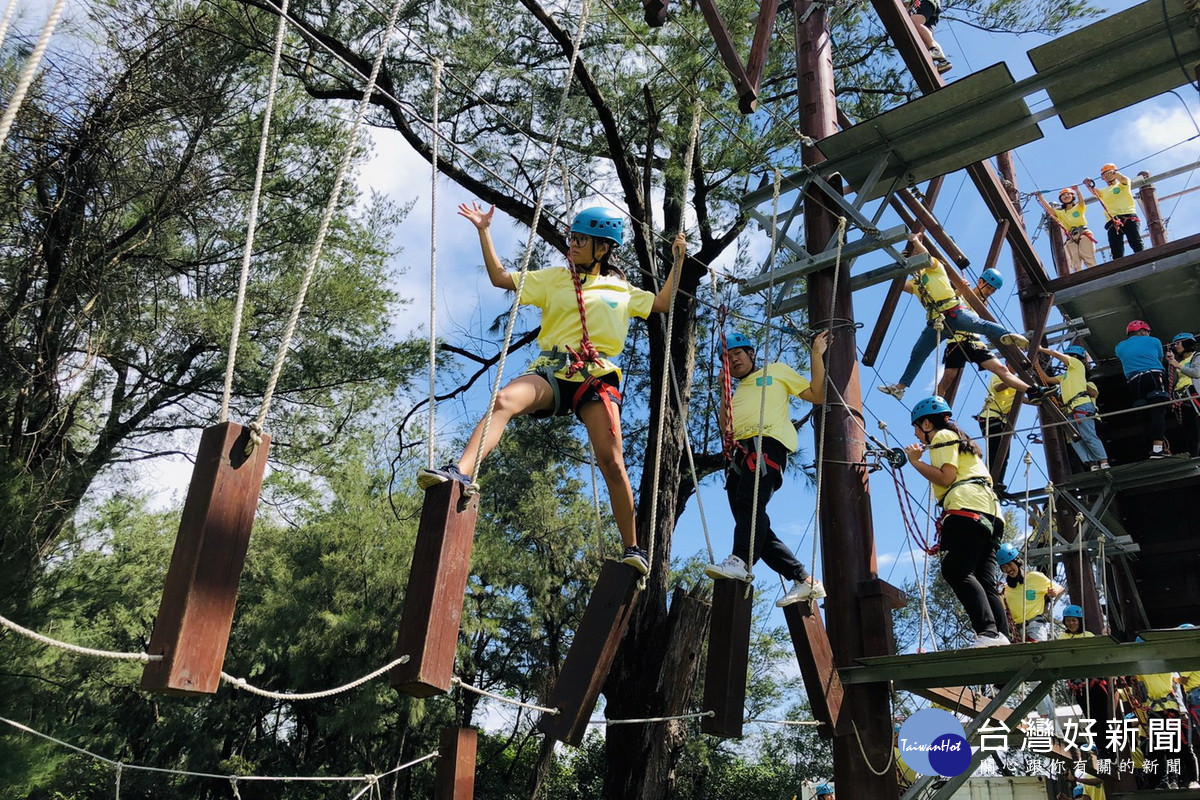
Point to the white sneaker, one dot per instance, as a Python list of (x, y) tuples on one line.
[(733, 568), (894, 389), (1194, 785), (811, 589), (990, 639), (1015, 339)]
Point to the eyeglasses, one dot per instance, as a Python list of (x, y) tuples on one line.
[(578, 239)]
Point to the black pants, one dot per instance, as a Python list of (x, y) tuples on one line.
[(992, 429), (1190, 410), (739, 488), (969, 567), (1150, 388), (1130, 229)]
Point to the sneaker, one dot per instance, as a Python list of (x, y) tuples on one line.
[(428, 478), (810, 589), (1104, 465), (990, 640), (894, 389), (1194, 785), (636, 558), (1093, 467), (1015, 339), (942, 66), (733, 568), (1159, 454)]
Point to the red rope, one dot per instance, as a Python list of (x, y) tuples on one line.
[(727, 440), (587, 353), (909, 516)]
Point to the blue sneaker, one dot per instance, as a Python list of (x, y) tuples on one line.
[(636, 558), (428, 478)]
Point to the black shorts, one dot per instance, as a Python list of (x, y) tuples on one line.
[(931, 10), (565, 391), (959, 353)]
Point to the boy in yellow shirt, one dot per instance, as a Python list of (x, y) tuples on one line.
[(1079, 396), (1117, 199)]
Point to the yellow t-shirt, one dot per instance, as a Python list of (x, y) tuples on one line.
[(1159, 685), (781, 383), (1075, 383), (932, 287), (1117, 199), (1083, 635), (1093, 792), (1191, 680), (1027, 600), (1183, 381), (943, 449), (999, 399), (608, 301), (1072, 217)]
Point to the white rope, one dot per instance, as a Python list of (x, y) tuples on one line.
[(433, 182), (240, 683), (533, 232), (687, 441), (74, 648), (862, 751), (252, 220), (119, 768), (794, 722), (651, 719), (457, 681), (1028, 459), (4, 22), (330, 207), (27, 74)]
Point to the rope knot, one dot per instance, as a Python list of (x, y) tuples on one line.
[(256, 430)]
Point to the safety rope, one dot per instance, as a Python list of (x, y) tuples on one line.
[(697, 715), (457, 681), (240, 683), (726, 408), (6, 19), (691, 458), (678, 259), (1028, 459), (77, 649), (433, 184), (331, 206), (863, 752), (559, 120), (252, 218), (27, 74)]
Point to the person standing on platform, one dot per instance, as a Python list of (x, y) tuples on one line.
[(1090, 693), (1141, 357), (1079, 398), (586, 308), (1181, 358), (925, 15), (993, 425), (771, 425), (1080, 244), (971, 525), (946, 315), (1117, 199), (1028, 594), (1162, 703)]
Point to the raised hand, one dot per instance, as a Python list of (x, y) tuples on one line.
[(478, 217)]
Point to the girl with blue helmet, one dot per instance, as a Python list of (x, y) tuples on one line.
[(1181, 358), (1028, 595), (586, 309), (971, 526), (1079, 399)]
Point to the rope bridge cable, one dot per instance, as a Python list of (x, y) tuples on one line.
[(240, 683), (252, 218), (30, 70), (77, 649), (678, 259), (457, 681), (697, 715), (533, 229), (9, 8), (327, 217)]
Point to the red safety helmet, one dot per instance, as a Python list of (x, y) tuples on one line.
[(1137, 325)]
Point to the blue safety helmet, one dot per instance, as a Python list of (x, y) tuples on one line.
[(992, 278), (1078, 792), (736, 340), (1076, 350), (928, 407), (824, 790), (1184, 337), (602, 223), (1006, 554), (1187, 625), (1073, 611)]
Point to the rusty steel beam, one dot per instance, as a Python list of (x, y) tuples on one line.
[(1154, 220), (757, 61), (993, 255), (733, 62), (934, 228)]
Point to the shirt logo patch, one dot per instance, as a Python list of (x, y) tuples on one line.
[(1030, 594), (759, 380)]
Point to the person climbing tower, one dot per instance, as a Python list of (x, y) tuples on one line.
[(1080, 244), (1028, 594), (971, 526), (1079, 399), (1141, 357), (1117, 199), (744, 409), (586, 308), (925, 15), (946, 315)]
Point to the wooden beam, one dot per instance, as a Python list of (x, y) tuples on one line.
[(814, 654), (654, 12), (437, 584), (877, 600), (934, 228), (728, 658), (884, 321), (191, 631), (733, 62), (456, 765), (592, 651), (993, 255), (759, 46)]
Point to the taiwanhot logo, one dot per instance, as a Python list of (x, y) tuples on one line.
[(932, 742)]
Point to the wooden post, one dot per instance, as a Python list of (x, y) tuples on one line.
[(814, 654), (1058, 246), (456, 765), (728, 658), (592, 651), (196, 612), (1154, 221), (878, 599), (437, 583)]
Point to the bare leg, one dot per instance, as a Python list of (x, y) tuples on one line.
[(523, 395), (610, 458), (1006, 375), (949, 376), (923, 31)]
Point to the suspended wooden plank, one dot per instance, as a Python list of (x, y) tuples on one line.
[(814, 654), (191, 631), (456, 764), (877, 599), (728, 658), (592, 652), (437, 584)]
